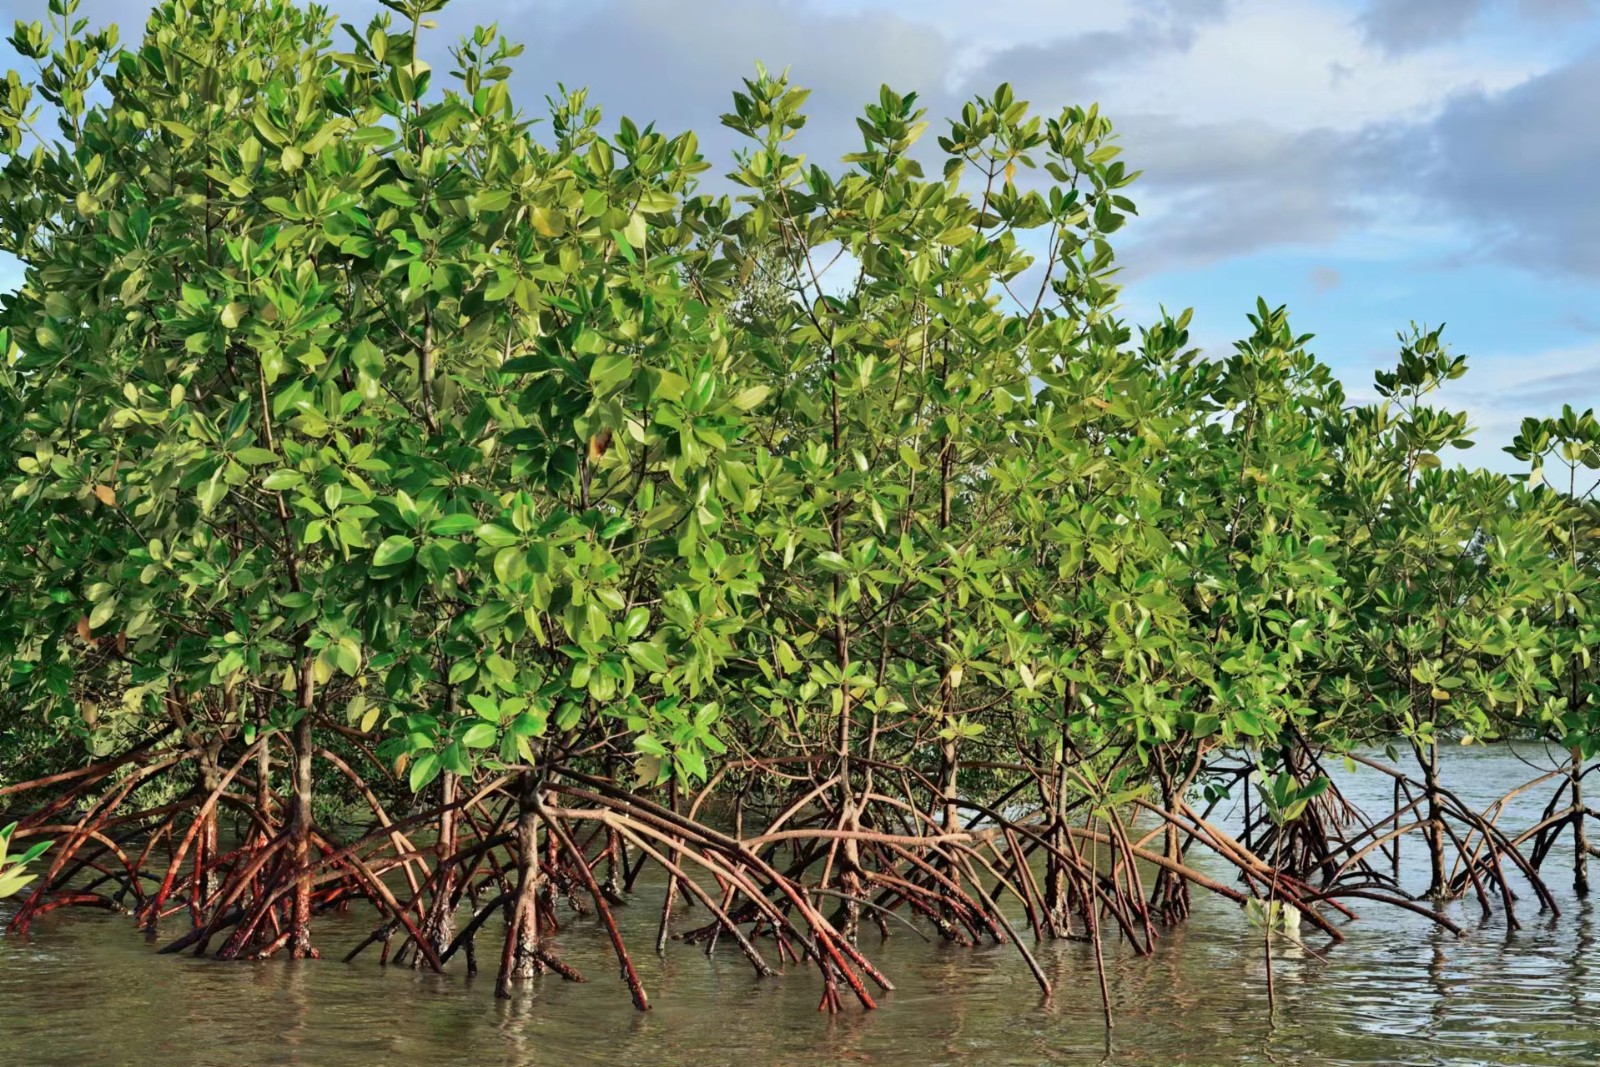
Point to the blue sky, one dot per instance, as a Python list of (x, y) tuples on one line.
[(1368, 162)]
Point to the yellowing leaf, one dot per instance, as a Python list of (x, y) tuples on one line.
[(635, 230), (548, 223), (647, 770), (102, 612)]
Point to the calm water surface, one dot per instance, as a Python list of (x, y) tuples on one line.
[(85, 990)]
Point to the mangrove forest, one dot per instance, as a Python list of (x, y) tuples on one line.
[(490, 523)]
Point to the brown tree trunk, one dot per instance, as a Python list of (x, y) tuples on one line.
[(300, 841), (1057, 886), (1434, 830), (264, 805), (206, 849), (948, 766), (440, 925), (520, 956), (1171, 894)]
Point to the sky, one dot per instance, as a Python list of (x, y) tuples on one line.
[(1368, 162)]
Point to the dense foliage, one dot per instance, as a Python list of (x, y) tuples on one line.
[(362, 440)]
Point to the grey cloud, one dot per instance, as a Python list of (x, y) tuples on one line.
[(1398, 26), (1188, 10), (1229, 190), (1513, 170), (1519, 167), (1556, 9), (1325, 279), (1551, 390), (678, 62), (1407, 25), (1064, 71), (1222, 189)]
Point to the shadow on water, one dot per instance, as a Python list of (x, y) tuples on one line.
[(86, 990)]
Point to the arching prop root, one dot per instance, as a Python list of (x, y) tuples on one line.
[(792, 892), (265, 889), (1484, 855)]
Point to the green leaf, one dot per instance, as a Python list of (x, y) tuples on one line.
[(638, 619), (530, 723), (480, 735), (567, 715), (347, 656), (497, 536), (610, 367), (492, 200), (453, 525), (396, 549), (648, 656), (282, 479), (424, 769)]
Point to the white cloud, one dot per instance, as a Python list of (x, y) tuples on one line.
[(1502, 388), (1297, 64)]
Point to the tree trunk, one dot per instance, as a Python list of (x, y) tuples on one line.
[(205, 884), (440, 925), (1057, 893), (1580, 835), (1172, 891), (520, 956), (948, 766), (1435, 826), (300, 840)]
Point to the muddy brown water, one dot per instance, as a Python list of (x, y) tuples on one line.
[(84, 989)]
